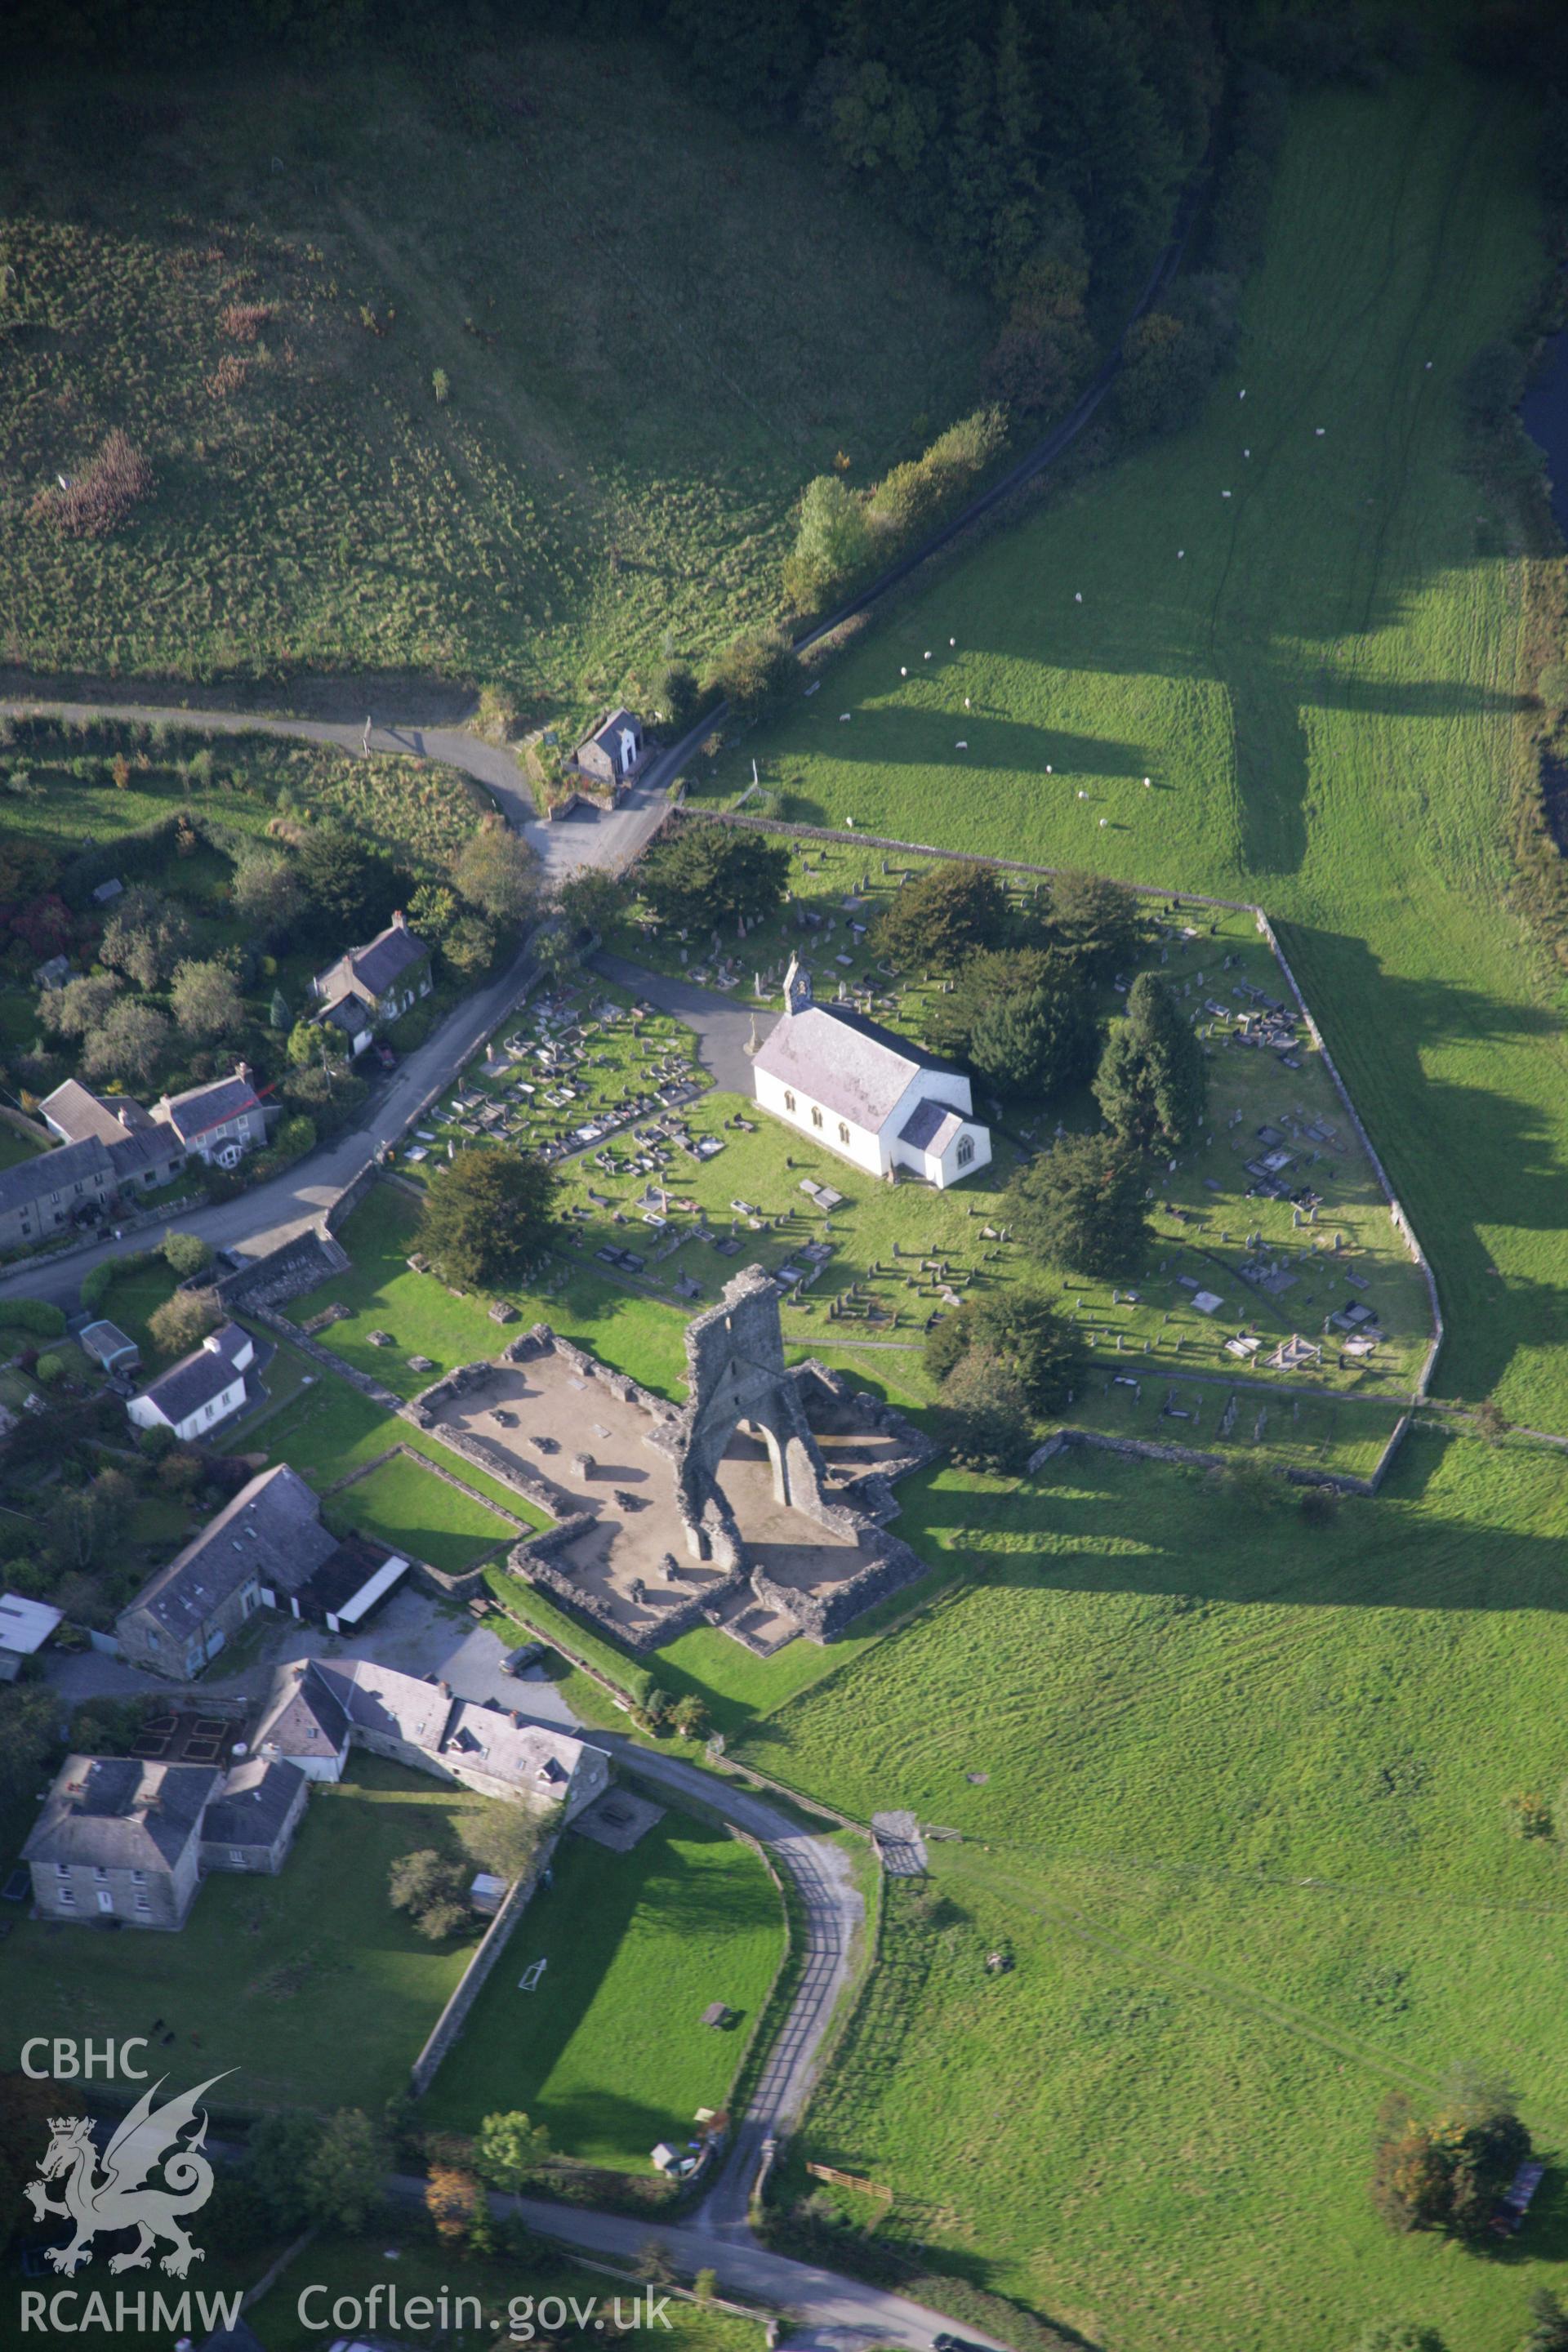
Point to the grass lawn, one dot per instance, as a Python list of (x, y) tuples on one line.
[(640, 378), (351, 2267), (132, 1299), (308, 1983), (404, 1506), (327, 1429), (1317, 671), (1238, 1807), (610, 2052)]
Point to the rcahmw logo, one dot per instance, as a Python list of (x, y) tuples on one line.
[(120, 2190)]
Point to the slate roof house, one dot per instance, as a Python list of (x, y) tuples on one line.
[(865, 1093), (267, 1549), (613, 752), (373, 983), (263, 1541), (42, 1198), (318, 1708), (202, 1390), (221, 1121), (119, 1838), (25, 1627)]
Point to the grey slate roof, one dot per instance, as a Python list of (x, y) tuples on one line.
[(400, 1706), (197, 1379), (201, 1108), (77, 1112), (852, 1066), (529, 1757), (118, 1812), (271, 1529), (47, 1172), (253, 1803), (303, 1713), (930, 1126)]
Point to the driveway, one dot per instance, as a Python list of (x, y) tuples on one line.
[(723, 1030)]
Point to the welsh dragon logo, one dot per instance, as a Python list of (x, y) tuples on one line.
[(112, 2194)]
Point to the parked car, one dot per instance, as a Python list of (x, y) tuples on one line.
[(384, 1055), (526, 1655)]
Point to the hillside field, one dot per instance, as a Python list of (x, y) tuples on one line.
[(652, 327), (1295, 621), (1230, 1943)]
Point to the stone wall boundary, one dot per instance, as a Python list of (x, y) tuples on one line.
[(1147, 1449), (465, 1992)]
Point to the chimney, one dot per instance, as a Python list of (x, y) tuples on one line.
[(399, 919), (244, 1074)]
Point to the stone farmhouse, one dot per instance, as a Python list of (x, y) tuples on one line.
[(867, 1093), (320, 1708), (122, 1838), (373, 985), (613, 752), (219, 1121), (129, 1839), (265, 1549), (202, 1390)]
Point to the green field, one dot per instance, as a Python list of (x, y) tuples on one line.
[(1244, 1830), (610, 2052), (326, 1429), (1318, 673), (309, 1983), (640, 377), (404, 1507)]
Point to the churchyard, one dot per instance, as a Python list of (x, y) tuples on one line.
[(578, 1064)]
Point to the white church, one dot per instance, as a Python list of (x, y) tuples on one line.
[(866, 1094)]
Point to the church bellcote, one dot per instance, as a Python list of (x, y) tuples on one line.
[(797, 987)]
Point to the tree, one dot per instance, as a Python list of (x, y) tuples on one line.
[(278, 2153), (1445, 2173), (832, 544), (145, 937), (1022, 1329), (317, 1045), (450, 2197), (1022, 1018), (954, 909), (330, 1099), (343, 2177), (756, 671), (278, 1011), (184, 1321), (430, 1886), (351, 887), (469, 947), (591, 900), (1080, 1206), (29, 1735), (986, 1412), (510, 2151), (679, 694), (488, 1216), (267, 893), (688, 1716), (496, 871), (129, 1043), (1152, 1082), (1097, 925), (1400, 2336), (1164, 372), (48, 1370), (702, 876), (502, 1838), (80, 1006), (205, 1001)]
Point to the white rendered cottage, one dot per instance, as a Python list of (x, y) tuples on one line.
[(868, 1094)]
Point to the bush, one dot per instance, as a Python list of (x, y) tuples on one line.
[(182, 1322), (679, 695), (1447, 2173), (756, 671), (186, 1254), (441, 385), (40, 1316), (1528, 1816), (49, 1372)]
